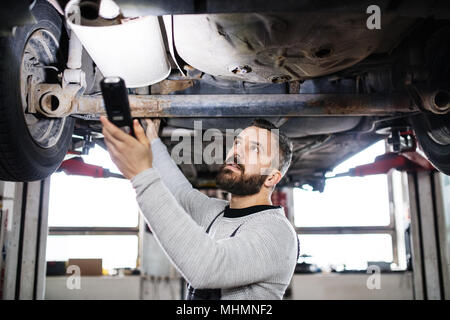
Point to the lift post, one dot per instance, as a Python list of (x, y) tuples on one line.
[(430, 248), (23, 239)]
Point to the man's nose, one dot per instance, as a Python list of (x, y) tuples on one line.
[(233, 155), (238, 155), (236, 152)]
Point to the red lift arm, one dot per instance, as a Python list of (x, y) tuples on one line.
[(77, 166), (406, 161)]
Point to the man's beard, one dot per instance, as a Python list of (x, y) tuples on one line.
[(238, 183)]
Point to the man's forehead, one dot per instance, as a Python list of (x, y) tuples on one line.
[(263, 137), (255, 134)]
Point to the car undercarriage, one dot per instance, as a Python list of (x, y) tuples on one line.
[(319, 72)]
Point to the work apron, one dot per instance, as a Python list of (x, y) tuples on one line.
[(216, 294), (207, 294)]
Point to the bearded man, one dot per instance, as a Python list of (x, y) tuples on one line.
[(244, 248)]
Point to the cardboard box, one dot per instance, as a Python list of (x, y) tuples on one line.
[(88, 267)]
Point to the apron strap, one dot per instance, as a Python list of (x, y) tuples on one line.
[(209, 227), (207, 294), (234, 232)]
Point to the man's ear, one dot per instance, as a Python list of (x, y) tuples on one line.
[(273, 178)]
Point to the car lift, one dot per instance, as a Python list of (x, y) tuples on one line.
[(77, 166), (409, 161), (24, 230), (427, 234), (24, 226)]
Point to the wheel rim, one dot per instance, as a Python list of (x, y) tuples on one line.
[(39, 61), (437, 128), (440, 135)]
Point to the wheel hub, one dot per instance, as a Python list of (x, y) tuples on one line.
[(39, 65)]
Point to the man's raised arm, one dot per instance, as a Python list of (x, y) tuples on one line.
[(264, 250), (192, 200)]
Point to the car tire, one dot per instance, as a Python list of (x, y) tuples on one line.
[(433, 135), (433, 130), (32, 146)]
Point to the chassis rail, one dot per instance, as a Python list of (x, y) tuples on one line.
[(251, 105)]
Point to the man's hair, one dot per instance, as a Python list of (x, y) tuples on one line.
[(285, 144)]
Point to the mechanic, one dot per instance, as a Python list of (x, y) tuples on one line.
[(249, 249)]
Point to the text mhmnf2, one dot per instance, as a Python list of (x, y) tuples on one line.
[(229, 309)]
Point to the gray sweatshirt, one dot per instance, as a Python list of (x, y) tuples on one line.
[(257, 263)]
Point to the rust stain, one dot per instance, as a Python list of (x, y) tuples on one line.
[(168, 86)]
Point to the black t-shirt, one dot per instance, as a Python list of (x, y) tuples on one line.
[(237, 213)]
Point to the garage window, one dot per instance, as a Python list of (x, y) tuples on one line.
[(352, 222), (349, 251), (114, 250), (93, 217)]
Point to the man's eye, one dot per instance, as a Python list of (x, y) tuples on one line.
[(254, 148), (236, 142)]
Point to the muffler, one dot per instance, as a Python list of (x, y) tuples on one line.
[(132, 49)]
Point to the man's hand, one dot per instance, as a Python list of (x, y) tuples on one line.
[(130, 155), (152, 129)]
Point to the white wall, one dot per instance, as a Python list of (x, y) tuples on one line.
[(334, 286), (93, 288), (114, 288), (393, 286)]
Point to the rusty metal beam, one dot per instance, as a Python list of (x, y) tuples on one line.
[(64, 231), (254, 105)]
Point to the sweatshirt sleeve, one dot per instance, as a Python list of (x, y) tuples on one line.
[(259, 251), (192, 200)]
